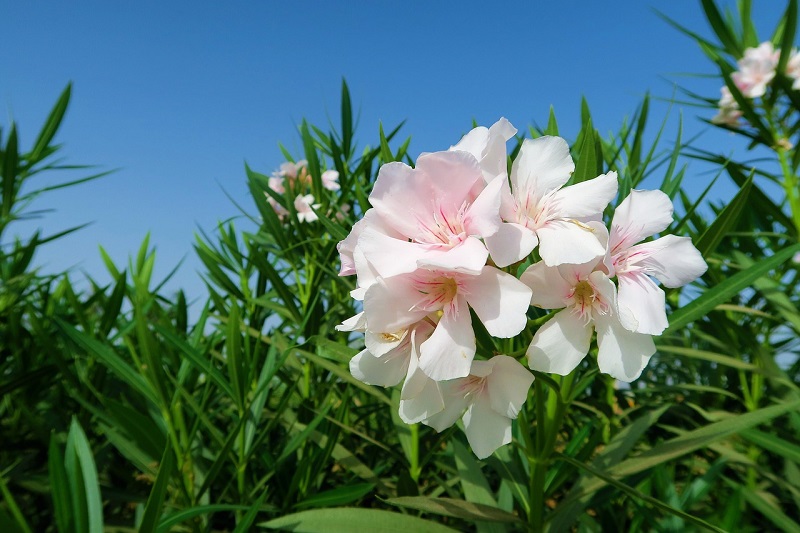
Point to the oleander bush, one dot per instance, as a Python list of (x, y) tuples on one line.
[(358, 268)]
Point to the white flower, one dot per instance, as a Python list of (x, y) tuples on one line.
[(756, 70), (304, 204), (391, 356), (793, 69), (729, 112), (492, 396), (488, 146), (329, 178), (538, 209), (589, 301), (499, 300), (672, 260)]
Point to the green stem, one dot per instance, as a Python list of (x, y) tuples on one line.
[(414, 468), (790, 185)]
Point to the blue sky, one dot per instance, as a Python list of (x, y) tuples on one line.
[(178, 95)]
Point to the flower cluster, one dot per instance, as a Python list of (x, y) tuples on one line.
[(757, 69), (429, 254), (296, 178)]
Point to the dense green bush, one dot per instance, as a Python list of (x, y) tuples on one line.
[(118, 412)]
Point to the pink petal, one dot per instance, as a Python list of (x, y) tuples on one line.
[(469, 257), (483, 216), (389, 304)]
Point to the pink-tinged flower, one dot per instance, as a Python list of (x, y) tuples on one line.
[(588, 301), (673, 260), (729, 112), (329, 180), (389, 358), (499, 300), (796, 258), (490, 397), (756, 70), (304, 204), (440, 209), (538, 209), (793, 69), (346, 247), (292, 170), (488, 145)]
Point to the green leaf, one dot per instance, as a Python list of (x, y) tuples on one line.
[(552, 125), (349, 519), (155, 502), (455, 508), (59, 488), (169, 521), (473, 483), (774, 444), (726, 220), (590, 162), (51, 125), (9, 176), (630, 491), (722, 30), (337, 496), (347, 122), (769, 510), (724, 291), (79, 445)]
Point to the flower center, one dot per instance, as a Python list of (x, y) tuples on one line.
[(437, 292), (472, 385), (446, 228), (585, 300)]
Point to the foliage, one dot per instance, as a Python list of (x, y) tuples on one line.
[(120, 412)]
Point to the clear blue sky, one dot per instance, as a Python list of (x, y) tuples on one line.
[(178, 95)]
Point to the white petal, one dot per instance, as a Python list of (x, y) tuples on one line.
[(675, 262), (512, 243), (573, 242), (354, 323), (379, 344), (560, 344), (455, 402), (508, 385), (588, 198), (449, 351), (644, 300), (384, 371), (542, 165), (416, 379), (486, 430), (640, 215), (622, 354), (550, 289), (451, 176), (500, 300), (427, 402)]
